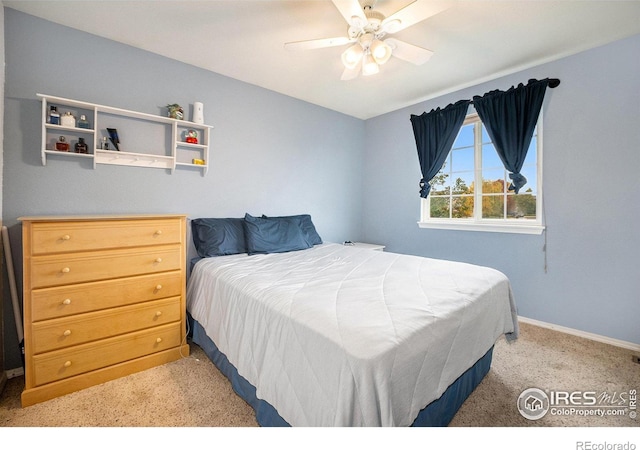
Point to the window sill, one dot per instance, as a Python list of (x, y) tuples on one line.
[(491, 227)]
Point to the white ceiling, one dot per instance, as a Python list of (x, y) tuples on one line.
[(473, 41)]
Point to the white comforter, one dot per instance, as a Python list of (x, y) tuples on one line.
[(344, 336)]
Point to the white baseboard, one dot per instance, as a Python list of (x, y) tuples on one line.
[(583, 334), (12, 373)]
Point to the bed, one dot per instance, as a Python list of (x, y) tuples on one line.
[(324, 334)]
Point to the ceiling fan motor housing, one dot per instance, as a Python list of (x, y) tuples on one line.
[(373, 25), (375, 19)]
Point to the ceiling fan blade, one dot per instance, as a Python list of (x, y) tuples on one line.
[(350, 74), (350, 9), (317, 43), (408, 52), (413, 13)]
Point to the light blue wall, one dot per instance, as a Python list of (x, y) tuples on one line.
[(359, 179), (270, 153), (591, 187)]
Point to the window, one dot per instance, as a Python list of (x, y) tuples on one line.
[(470, 192)]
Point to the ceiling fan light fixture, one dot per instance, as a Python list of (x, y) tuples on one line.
[(369, 65), (380, 51), (352, 56), (366, 40), (367, 36)]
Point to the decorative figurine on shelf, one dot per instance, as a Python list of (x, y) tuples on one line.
[(68, 120), (175, 111), (113, 135), (81, 146), (62, 145), (191, 137)]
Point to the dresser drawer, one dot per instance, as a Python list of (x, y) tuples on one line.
[(103, 297), (60, 364), (67, 331), (60, 301), (56, 270), (72, 236)]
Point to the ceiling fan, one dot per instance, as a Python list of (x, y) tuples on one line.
[(367, 32)]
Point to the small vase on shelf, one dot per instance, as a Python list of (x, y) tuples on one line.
[(198, 114)]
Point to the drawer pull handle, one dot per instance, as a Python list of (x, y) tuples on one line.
[(67, 301), (158, 260), (67, 363), (158, 340), (66, 270), (66, 237), (158, 287), (158, 314), (158, 233), (67, 332)]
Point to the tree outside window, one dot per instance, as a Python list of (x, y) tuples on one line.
[(473, 162)]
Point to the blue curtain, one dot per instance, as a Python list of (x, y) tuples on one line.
[(435, 133), (510, 118)]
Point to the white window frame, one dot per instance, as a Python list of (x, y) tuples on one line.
[(477, 223)]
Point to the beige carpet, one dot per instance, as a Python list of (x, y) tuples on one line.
[(192, 392)]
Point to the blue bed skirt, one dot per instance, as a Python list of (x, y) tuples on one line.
[(437, 414)]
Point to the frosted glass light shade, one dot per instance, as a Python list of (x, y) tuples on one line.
[(352, 56), (369, 65), (380, 51)]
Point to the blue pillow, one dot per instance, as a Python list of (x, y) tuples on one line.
[(273, 235), (308, 229), (218, 237)]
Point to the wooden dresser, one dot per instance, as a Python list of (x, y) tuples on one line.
[(104, 297)]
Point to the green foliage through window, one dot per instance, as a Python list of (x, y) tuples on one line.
[(474, 161)]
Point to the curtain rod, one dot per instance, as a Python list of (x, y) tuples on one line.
[(553, 83)]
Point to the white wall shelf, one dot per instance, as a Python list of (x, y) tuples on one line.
[(133, 159), (160, 140)]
